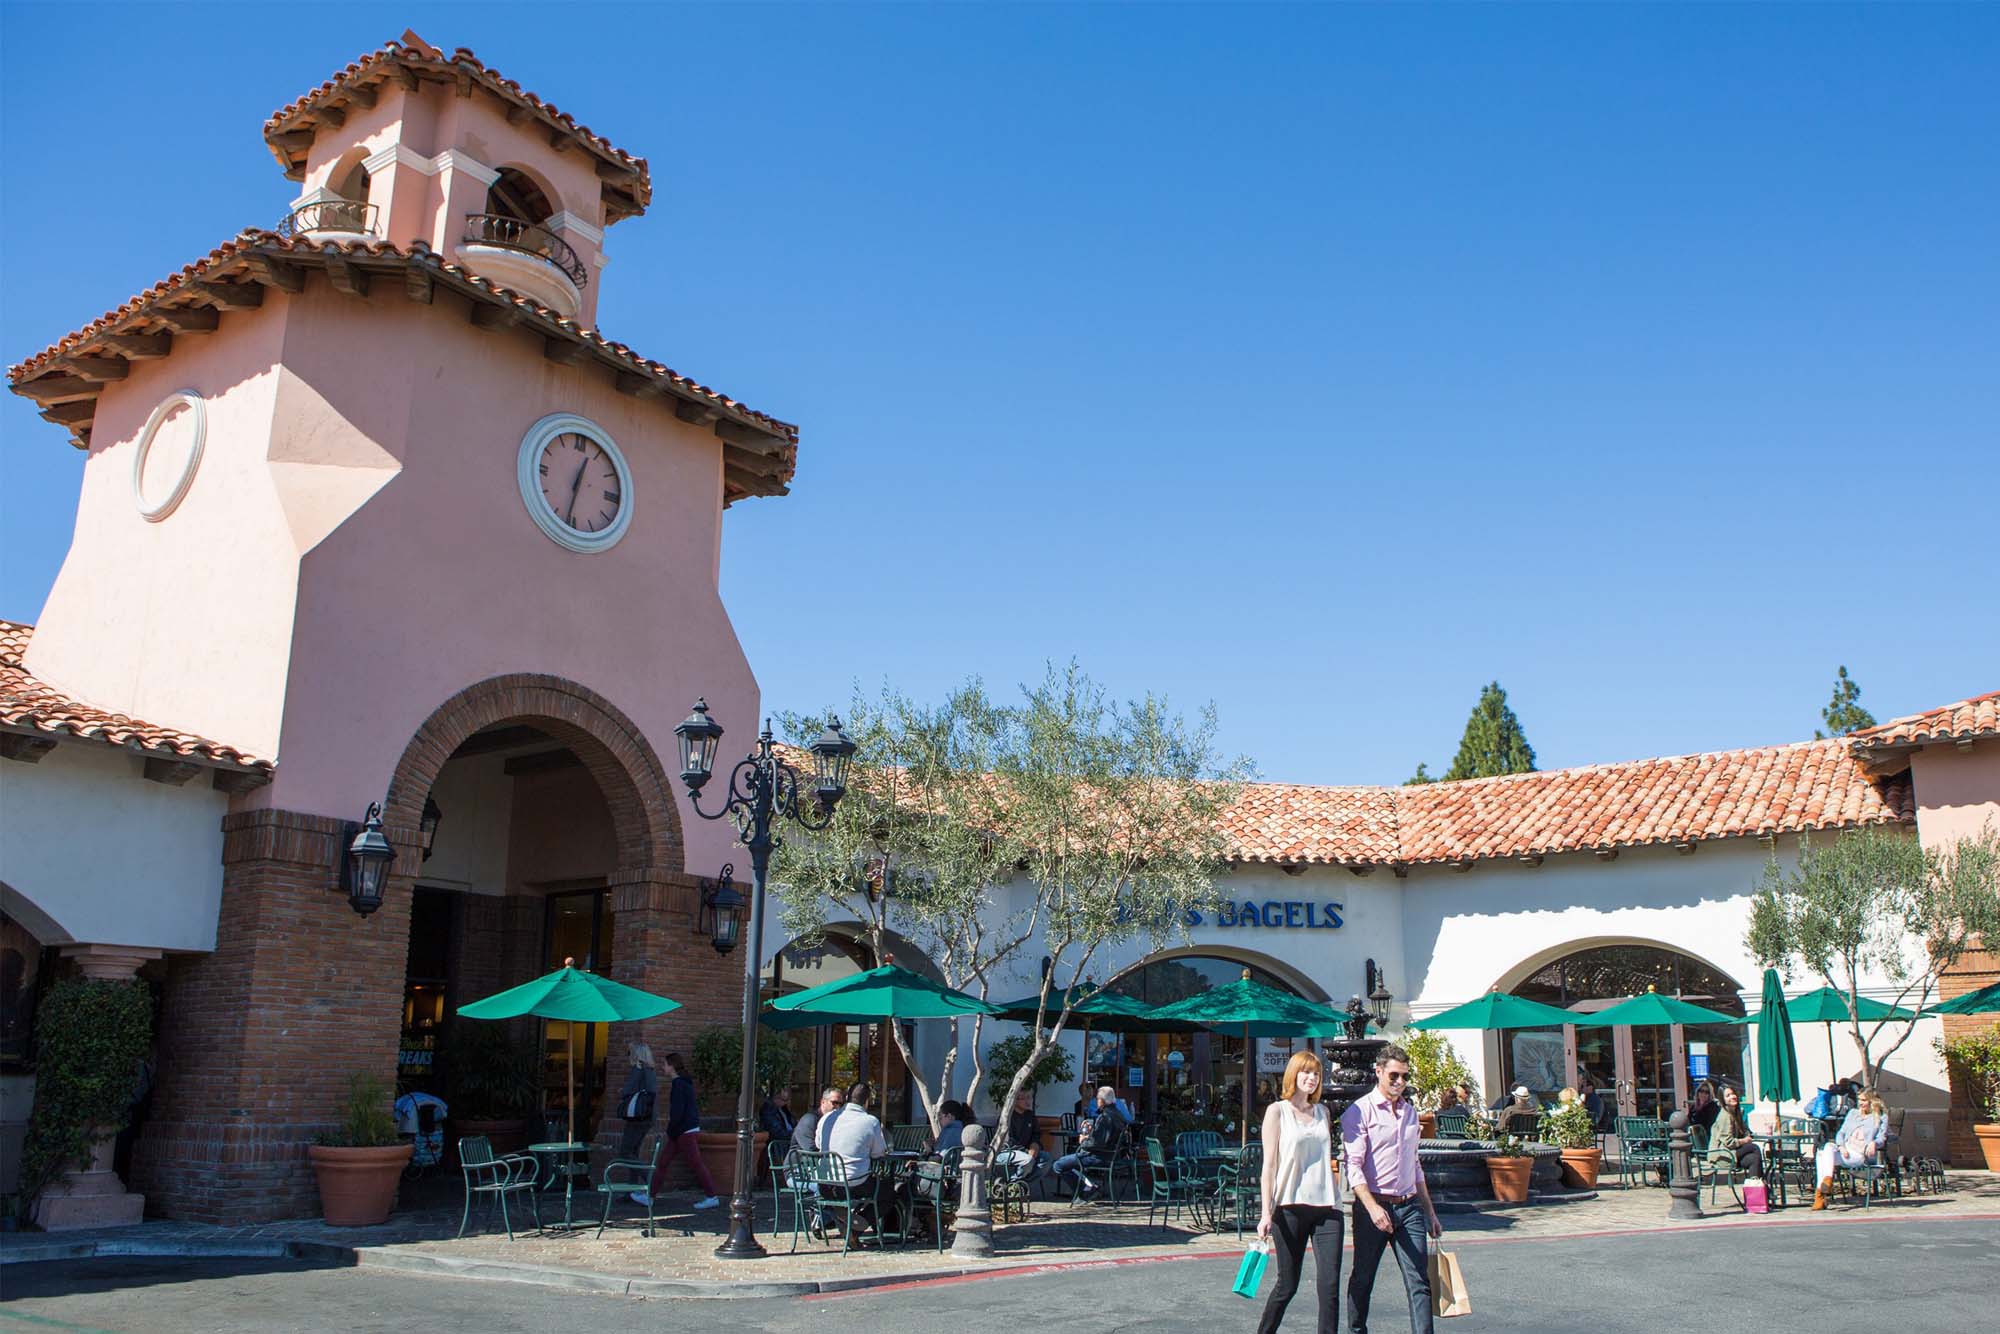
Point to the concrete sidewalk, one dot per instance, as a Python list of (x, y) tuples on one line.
[(679, 1261)]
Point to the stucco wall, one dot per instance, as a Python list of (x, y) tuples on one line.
[(477, 799), (112, 858), (1957, 791)]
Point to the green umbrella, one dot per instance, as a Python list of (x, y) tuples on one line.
[(1259, 1011), (1095, 1007), (1650, 1009), (885, 993), (577, 997), (1986, 1000), (1777, 1058), (1828, 1006), (1498, 1010)]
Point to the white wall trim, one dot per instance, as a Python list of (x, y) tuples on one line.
[(453, 160), (401, 154), (570, 222)]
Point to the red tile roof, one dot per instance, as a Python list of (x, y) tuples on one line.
[(28, 704), (237, 261), (1967, 720), (628, 189)]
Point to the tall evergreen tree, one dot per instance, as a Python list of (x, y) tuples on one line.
[(1421, 776), (1493, 742), (1844, 714)]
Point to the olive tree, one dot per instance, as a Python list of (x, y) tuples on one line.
[(1874, 900)]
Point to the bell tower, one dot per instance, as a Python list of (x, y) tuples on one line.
[(408, 144)]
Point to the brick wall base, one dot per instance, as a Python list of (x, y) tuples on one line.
[(1976, 969)]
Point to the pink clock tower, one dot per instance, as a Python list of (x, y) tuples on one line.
[(371, 500)]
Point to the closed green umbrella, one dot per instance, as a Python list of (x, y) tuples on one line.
[(1257, 1010), (576, 997), (1498, 1010), (1777, 1057), (1986, 1000), (1094, 1007)]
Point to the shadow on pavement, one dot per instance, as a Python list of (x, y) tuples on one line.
[(118, 1273)]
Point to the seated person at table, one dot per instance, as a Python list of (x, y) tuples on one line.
[(1448, 1099), (1099, 1137), (1023, 1158), (774, 1118), (1521, 1114), (1593, 1101), (1705, 1108), (952, 1118), (805, 1135), (1729, 1139), (854, 1132), (1857, 1143)]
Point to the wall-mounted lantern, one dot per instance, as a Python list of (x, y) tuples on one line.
[(428, 825), (721, 915), (365, 869)]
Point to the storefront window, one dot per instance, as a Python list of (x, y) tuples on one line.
[(1187, 1081)]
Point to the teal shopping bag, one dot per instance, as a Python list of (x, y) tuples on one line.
[(1250, 1273)]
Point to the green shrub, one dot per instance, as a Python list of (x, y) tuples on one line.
[(366, 1121), (492, 1076), (1567, 1127), (1006, 1056), (90, 1036), (1435, 1066), (716, 1064), (1975, 1069)]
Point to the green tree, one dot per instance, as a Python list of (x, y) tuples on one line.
[(1874, 901), (1493, 742), (1843, 713), (1420, 777)]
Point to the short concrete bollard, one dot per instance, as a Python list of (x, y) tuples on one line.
[(1683, 1191), (972, 1234)]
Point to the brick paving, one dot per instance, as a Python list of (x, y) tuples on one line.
[(1057, 1234)]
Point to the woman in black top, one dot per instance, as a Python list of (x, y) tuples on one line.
[(682, 1137), (636, 1098)]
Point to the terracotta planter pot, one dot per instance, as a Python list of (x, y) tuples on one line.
[(1427, 1124), (1580, 1167), (357, 1187), (1988, 1137), (718, 1153), (1510, 1178), (506, 1136)]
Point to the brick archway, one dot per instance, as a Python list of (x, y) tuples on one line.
[(618, 756)]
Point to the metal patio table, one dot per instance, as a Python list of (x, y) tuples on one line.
[(556, 1153)]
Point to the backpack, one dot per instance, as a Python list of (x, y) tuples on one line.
[(1821, 1105), (639, 1107)]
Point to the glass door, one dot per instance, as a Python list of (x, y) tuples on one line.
[(576, 925), (1652, 1071)]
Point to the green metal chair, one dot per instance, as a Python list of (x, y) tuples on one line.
[(1172, 1185), (496, 1178), (790, 1189), (933, 1191), (1707, 1171), (910, 1139), (838, 1199), (1642, 1147), (1451, 1124), (624, 1178), (1240, 1186)]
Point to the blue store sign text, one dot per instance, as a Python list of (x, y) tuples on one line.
[(1307, 914)]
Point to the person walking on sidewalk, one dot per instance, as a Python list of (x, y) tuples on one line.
[(1392, 1206), (683, 1138), (635, 1100), (1301, 1195)]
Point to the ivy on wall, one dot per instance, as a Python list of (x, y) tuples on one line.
[(90, 1036)]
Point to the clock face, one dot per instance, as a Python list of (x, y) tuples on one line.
[(580, 482), (575, 483)]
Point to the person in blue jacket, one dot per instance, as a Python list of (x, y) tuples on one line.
[(682, 1138)]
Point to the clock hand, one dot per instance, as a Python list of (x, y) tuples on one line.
[(576, 487)]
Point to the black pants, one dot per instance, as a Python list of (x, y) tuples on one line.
[(1751, 1159), (629, 1137), (1410, 1235), (1291, 1225)]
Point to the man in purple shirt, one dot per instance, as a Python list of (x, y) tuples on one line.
[(1392, 1206)]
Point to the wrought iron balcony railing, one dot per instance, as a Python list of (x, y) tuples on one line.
[(533, 238), (330, 215)]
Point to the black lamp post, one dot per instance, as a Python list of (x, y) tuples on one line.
[(762, 787), (365, 871)]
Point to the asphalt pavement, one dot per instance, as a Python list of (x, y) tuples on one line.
[(1900, 1276)]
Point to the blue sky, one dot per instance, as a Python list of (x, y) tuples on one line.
[(1322, 362)]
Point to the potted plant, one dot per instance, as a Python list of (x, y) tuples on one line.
[(1569, 1128), (1435, 1066), (1509, 1167), (359, 1162), (493, 1084), (1974, 1061), (1006, 1056), (716, 1064)]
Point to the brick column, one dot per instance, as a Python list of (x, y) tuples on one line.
[(259, 1038), (94, 1196), (1975, 969)]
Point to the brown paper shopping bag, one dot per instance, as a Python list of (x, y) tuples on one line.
[(1448, 1291)]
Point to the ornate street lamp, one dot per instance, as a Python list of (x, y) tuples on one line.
[(762, 787), (428, 825), (721, 916), (1379, 995), (365, 870)]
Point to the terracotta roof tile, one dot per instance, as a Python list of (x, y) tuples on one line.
[(1967, 720), (413, 56), (29, 704)]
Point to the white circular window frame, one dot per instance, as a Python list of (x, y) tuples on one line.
[(528, 473), (155, 511)]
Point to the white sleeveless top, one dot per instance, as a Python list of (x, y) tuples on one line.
[(1305, 1160)]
